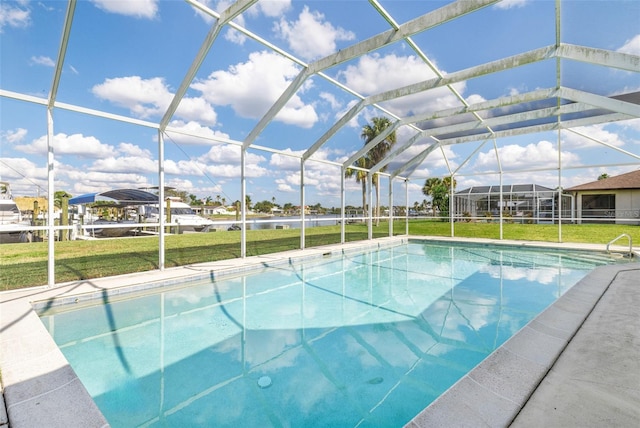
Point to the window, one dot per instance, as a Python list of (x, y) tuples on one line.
[(601, 207)]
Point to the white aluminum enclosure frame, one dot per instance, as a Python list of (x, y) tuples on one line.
[(474, 123)]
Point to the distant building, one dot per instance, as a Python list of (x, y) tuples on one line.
[(610, 200), (207, 210)]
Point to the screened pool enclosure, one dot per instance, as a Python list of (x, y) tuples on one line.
[(266, 100), (523, 203)]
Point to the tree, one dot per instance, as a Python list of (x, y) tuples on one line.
[(439, 190), (373, 157), (603, 176), (361, 177), (193, 200), (263, 207), (57, 197), (176, 193)]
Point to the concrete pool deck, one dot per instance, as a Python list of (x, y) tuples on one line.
[(576, 364)]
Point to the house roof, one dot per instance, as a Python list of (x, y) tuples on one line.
[(630, 180)]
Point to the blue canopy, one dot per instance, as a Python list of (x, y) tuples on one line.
[(117, 197)]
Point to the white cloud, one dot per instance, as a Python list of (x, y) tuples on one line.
[(375, 74), (228, 153), (11, 16), (43, 60), (14, 136), (251, 88), (137, 8), (197, 109), (353, 123), (596, 132), (632, 46), (282, 186), (143, 97), (513, 157), (79, 181), (477, 99), (311, 36), (74, 145), (510, 4), (224, 161), (283, 162), (235, 36), (15, 170), (633, 124), (125, 164), (147, 98), (331, 99), (134, 150), (271, 8), (195, 128)]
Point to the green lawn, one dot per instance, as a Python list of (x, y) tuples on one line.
[(24, 265)]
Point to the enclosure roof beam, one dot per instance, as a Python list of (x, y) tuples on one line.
[(477, 149), (391, 156), (612, 104), (77, 109), (611, 146), (230, 13), (530, 57), (416, 160), (538, 128), (607, 58), (429, 20), (353, 111), (371, 144), (510, 119), (527, 97), (422, 23), (62, 52)]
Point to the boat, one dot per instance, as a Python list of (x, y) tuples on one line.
[(125, 200), (113, 229), (12, 227), (182, 214)]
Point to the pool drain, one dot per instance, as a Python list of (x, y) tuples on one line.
[(264, 382)]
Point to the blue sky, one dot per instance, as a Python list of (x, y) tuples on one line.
[(129, 57)]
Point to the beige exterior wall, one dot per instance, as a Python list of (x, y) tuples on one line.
[(627, 205)]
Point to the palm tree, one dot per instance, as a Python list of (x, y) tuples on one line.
[(439, 190), (373, 157), (361, 177)]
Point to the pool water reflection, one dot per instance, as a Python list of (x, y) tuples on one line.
[(366, 339)]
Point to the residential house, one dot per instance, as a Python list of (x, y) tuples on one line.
[(609, 200)]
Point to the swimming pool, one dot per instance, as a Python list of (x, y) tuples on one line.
[(357, 339)]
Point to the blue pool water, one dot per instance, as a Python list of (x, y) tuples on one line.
[(358, 339)]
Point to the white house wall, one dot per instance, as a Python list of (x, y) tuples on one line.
[(627, 205)]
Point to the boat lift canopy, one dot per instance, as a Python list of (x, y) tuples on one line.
[(119, 197)]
